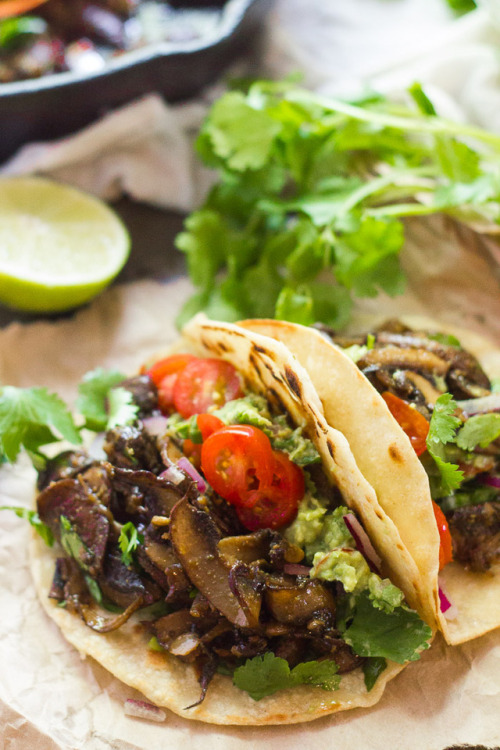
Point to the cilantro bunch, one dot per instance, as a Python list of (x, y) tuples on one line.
[(307, 212)]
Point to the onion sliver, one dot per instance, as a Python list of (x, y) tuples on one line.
[(447, 608), (143, 710), (363, 542), (155, 425), (173, 474), (186, 465), (482, 405), (489, 480)]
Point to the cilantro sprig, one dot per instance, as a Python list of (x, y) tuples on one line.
[(31, 418), (306, 215), (128, 541), (442, 430), (265, 675)]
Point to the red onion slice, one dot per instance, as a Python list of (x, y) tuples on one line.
[(186, 465), (447, 608), (363, 542), (295, 569), (483, 405), (489, 480), (155, 426), (173, 474), (143, 710)]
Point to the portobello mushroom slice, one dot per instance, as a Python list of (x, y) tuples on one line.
[(194, 537)]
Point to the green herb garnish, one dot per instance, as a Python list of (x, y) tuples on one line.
[(265, 675)]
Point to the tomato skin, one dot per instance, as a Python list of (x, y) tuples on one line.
[(167, 366), (445, 546), (236, 460), (204, 383), (410, 420), (164, 375), (208, 424), (276, 505)]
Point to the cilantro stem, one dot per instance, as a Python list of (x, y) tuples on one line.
[(429, 124)]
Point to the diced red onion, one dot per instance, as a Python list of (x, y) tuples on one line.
[(173, 474), (294, 569), (184, 644), (482, 405), (363, 542), (489, 480), (186, 465), (143, 710), (447, 608), (155, 425)]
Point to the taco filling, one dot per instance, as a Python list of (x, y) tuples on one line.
[(207, 519), (446, 404)]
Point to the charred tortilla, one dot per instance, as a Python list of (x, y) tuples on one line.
[(270, 370), (387, 459)]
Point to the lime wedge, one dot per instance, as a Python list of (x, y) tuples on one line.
[(59, 247)]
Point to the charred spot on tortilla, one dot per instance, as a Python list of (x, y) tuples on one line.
[(331, 448), (395, 454), (276, 400), (293, 381), (259, 349)]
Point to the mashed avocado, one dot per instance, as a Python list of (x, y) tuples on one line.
[(253, 410), (330, 548)]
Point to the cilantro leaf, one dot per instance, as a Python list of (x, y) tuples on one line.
[(372, 669), (265, 675), (442, 430), (443, 423), (240, 134), (28, 417), (399, 635), (479, 430), (34, 519), (94, 390), (128, 541), (121, 407), (102, 403)]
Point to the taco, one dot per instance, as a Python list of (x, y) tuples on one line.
[(422, 422), (225, 556)]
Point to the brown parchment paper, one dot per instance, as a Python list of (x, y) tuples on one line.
[(50, 697)]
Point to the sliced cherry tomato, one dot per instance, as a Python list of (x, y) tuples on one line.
[(276, 505), (236, 460), (204, 383), (208, 424), (410, 420), (167, 366), (445, 547)]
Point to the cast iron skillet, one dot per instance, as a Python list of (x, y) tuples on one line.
[(56, 105)]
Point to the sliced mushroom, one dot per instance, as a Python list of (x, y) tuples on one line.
[(194, 537), (299, 603)]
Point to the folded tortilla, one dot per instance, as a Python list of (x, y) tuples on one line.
[(388, 461), (272, 371)]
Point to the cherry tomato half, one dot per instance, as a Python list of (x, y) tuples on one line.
[(204, 383), (445, 547), (167, 366), (410, 420), (236, 460), (208, 424), (276, 505), (164, 375)]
